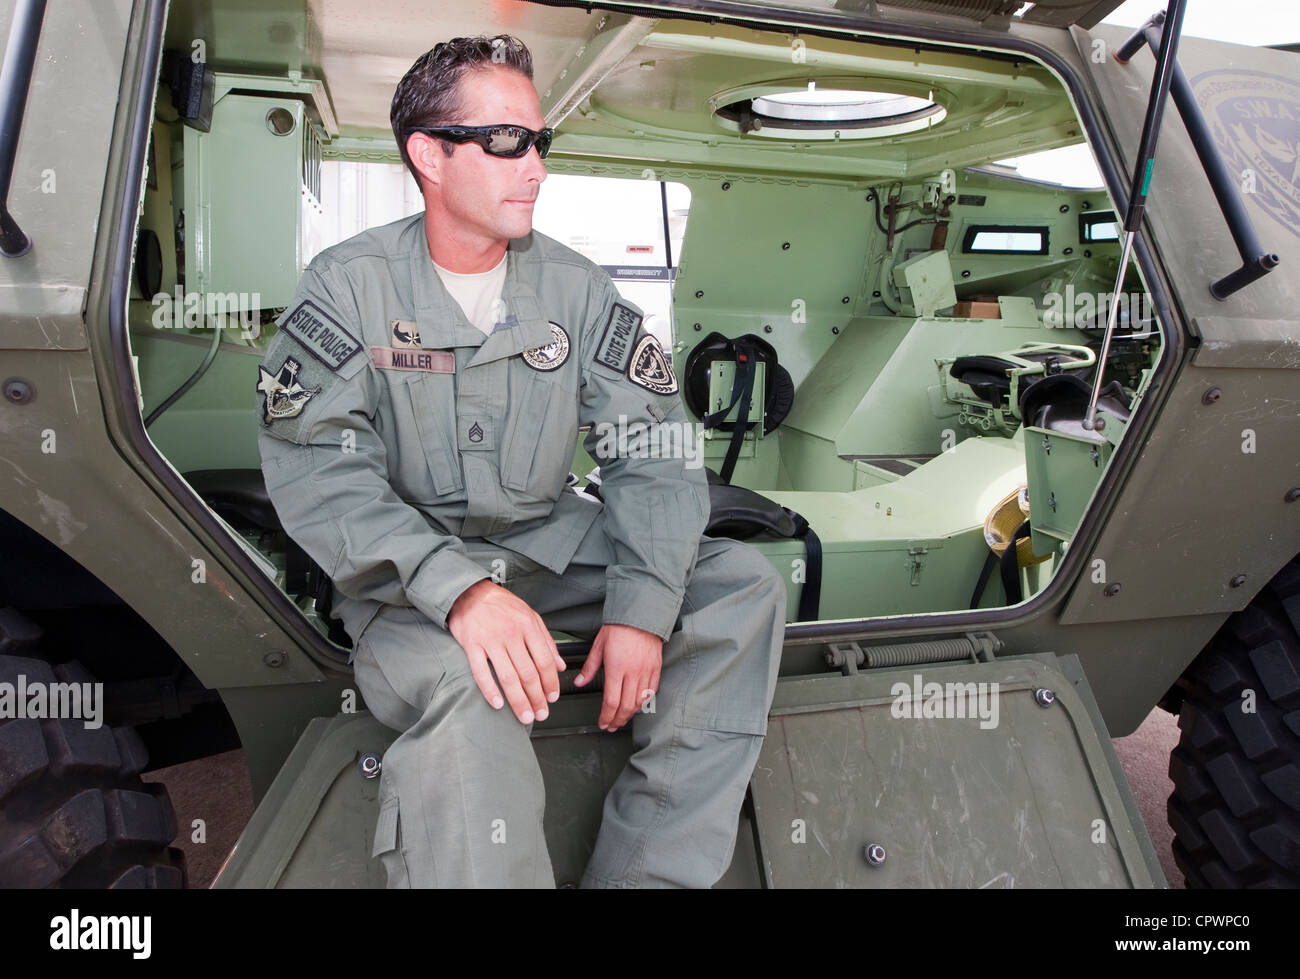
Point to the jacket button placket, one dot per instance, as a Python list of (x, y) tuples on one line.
[(480, 418)]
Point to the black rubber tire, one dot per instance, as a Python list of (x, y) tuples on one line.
[(1235, 809), (73, 810)]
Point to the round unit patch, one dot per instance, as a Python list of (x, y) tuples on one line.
[(1255, 119), (551, 355)]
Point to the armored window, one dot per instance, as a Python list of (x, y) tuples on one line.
[(1005, 239), (1098, 226)]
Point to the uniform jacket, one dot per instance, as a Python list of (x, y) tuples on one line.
[(392, 429)]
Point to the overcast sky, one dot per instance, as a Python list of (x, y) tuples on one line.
[(1239, 21)]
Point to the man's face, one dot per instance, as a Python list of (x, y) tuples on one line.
[(491, 198)]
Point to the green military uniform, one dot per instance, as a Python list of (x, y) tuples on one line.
[(412, 456)]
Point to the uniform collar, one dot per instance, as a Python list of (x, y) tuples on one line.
[(443, 324)]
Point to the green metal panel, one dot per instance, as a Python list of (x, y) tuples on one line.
[(1063, 471), (839, 379), (875, 391), (910, 545), (807, 462), (1228, 81), (315, 826), (925, 284), (1017, 796), (210, 427), (248, 216), (1034, 800), (58, 176)]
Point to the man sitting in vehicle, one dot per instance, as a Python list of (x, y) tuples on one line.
[(421, 405)]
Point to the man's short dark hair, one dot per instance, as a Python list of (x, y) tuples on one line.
[(429, 93)]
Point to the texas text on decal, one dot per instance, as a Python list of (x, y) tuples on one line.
[(551, 355), (616, 342), (102, 932), (324, 339), (284, 396), (395, 359), (651, 369)]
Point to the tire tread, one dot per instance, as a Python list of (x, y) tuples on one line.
[(73, 809), (1235, 808)]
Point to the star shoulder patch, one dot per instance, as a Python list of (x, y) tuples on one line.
[(650, 368), (283, 396), (551, 355)]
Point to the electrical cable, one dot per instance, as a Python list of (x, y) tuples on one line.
[(193, 380)]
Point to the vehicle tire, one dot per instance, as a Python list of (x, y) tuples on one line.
[(1235, 809), (73, 809)]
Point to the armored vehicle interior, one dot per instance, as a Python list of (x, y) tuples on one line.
[(923, 318)]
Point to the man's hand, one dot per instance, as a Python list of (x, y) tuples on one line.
[(495, 626), (632, 659)]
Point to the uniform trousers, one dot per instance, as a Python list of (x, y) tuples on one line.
[(461, 793)]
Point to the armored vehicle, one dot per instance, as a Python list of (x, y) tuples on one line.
[(1024, 447)]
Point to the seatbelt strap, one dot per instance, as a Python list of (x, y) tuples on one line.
[(742, 390), (811, 593), (986, 573), (1009, 568), (297, 568), (324, 592)]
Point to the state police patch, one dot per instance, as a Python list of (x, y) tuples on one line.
[(616, 342), (323, 338)]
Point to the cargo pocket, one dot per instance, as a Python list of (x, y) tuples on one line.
[(733, 652), (729, 699), (388, 843), (433, 403), (542, 436)]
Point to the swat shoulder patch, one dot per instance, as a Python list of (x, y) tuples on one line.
[(650, 368), (616, 342), (323, 338), (551, 355)]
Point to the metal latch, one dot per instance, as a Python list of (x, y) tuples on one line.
[(916, 561)]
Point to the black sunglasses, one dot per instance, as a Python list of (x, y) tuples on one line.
[(510, 142)]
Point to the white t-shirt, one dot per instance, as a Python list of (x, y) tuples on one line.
[(478, 293)]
